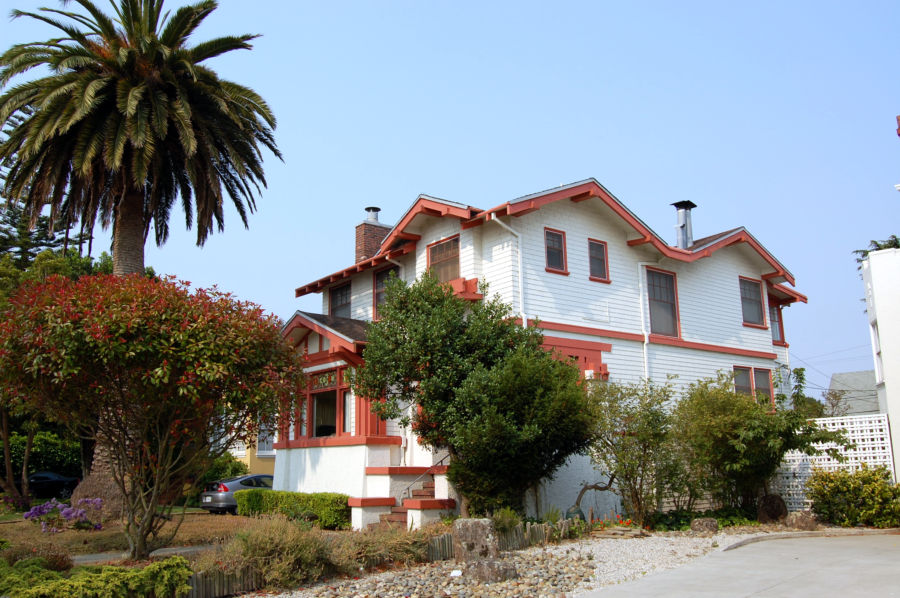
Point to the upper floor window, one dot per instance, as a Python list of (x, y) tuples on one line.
[(661, 295), (754, 382), (443, 259), (339, 301), (775, 321), (599, 261), (265, 442), (381, 278), (555, 246), (752, 302)]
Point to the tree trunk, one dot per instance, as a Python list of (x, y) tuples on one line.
[(128, 235)]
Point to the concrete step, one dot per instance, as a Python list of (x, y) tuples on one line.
[(393, 518), (423, 493), (399, 510), (428, 485)]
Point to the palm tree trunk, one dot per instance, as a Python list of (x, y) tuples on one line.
[(128, 235)]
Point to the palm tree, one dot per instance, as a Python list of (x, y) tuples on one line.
[(128, 121)]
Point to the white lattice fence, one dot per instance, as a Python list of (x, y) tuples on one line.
[(869, 433)]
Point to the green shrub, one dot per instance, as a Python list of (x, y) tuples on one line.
[(330, 508), (552, 515), (163, 579), (680, 520), (865, 496), (49, 452), (505, 519), (285, 554)]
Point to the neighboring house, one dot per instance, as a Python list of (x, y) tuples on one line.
[(881, 276), (260, 458), (607, 290), (858, 390)]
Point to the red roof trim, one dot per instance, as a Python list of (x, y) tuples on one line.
[(340, 346), (319, 285), (793, 296), (427, 207)]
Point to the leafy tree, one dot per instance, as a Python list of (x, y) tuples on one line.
[(736, 444), (169, 377), (631, 441), (129, 121), (892, 242), (835, 403), (800, 402), (471, 381), (22, 242)]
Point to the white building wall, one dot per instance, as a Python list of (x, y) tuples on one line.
[(881, 276), (322, 469)]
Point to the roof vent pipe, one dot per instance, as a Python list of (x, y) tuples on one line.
[(372, 212), (684, 236)]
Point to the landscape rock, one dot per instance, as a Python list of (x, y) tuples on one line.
[(771, 509), (802, 520), (492, 571), (705, 525), (474, 540)]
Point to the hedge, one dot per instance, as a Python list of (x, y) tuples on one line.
[(330, 509)]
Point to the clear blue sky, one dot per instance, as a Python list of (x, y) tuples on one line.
[(776, 116)]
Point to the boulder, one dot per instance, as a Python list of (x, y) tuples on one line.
[(492, 571), (474, 539), (802, 520), (705, 525), (771, 509)]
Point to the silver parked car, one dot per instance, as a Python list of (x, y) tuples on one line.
[(219, 496)]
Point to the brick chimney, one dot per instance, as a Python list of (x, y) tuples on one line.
[(369, 235)]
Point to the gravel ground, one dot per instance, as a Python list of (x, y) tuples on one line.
[(566, 569)]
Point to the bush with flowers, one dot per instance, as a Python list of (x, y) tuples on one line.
[(55, 516)]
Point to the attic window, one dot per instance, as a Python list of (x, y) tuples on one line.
[(443, 259), (555, 246)]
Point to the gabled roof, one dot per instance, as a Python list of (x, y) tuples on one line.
[(345, 333), (400, 241)]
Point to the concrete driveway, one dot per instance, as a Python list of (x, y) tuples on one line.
[(865, 566)]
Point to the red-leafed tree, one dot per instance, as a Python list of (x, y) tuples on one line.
[(173, 377)]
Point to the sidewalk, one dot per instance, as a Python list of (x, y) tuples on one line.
[(789, 565), (115, 556)]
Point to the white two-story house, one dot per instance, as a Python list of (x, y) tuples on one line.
[(606, 290)]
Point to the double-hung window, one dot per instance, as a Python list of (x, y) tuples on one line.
[(599, 261), (555, 250), (443, 259), (663, 300), (752, 302), (339, 301), (754, 382), (775, 323)]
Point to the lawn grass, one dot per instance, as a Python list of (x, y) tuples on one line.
[(197, 528)]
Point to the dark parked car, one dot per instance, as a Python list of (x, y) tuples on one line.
[(219, 496), (46, 484)]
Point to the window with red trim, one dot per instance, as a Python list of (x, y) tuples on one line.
[(661, 296), (555, 250), (339, 301), (381, 277), (443, 260), (599, 260), (752, 302), (775, 321), (756, 382)]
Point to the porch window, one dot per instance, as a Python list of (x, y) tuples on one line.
[(443, 259), (662, 297), (555, 249), (599, 261), (381, 278), (339, 301), (325, 413), (752, 302)]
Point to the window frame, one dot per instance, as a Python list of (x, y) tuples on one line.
[(777, 324), (762, 303), (429, 264), (591, 275), (565, 258), (273, 436), (677, 314), (388, 269), (349, 303), (752, 371)]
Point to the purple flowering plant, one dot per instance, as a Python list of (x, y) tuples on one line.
[(55, 516)]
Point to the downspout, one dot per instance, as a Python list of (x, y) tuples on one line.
[(493, 218), (644, 332)]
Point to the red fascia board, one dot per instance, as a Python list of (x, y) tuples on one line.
[(793, 296), (339, 343), (427, 207), (318, 285)]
